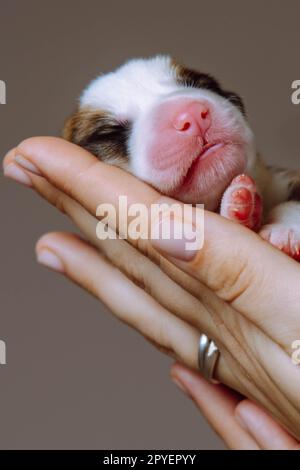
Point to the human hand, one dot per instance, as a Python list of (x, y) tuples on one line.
[(233, 289)]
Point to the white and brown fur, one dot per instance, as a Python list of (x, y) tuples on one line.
[(110, 123)]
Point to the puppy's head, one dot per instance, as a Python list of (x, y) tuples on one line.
[(173, 127)]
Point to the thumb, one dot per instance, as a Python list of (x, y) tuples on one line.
[(240, 267)]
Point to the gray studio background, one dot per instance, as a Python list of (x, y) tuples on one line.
[(76, 377)]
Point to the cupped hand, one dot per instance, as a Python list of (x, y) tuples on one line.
[(237, 289)]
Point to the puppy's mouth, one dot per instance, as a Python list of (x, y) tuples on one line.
[(208, 149), (210, 173)]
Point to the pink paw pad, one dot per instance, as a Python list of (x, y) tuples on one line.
[(285, 239), (242, 203)]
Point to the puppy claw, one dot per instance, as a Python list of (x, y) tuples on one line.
[(285, 239)]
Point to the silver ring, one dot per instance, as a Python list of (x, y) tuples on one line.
[(208, 355)]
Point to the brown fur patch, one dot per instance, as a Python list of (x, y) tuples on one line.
[(192, 78), (100, 133), (294, 190)]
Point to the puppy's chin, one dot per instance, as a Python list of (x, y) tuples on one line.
[(210, 175)]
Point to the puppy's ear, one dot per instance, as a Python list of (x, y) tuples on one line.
[(100, 133)]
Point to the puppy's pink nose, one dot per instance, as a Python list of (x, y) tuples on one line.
[(193, 120)]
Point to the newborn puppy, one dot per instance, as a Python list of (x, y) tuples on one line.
[(179, 131)]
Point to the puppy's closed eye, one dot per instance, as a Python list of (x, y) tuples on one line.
[(100, 133)]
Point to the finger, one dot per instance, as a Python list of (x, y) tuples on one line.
[(263, 428), (82, 264), (217, 403), (79, 174)]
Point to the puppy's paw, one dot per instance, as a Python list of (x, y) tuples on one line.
[(284, 238), (242, 203)]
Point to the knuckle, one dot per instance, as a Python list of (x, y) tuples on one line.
[(230, 280), (59, 202), (84, 174), (235, 282)]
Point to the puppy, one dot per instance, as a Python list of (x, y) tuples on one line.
[(180, 131)]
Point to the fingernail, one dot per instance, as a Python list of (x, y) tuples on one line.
[(27, 164), (180, 385), (241, 422), (17, 174), (49, 259), (175, 238), (245, 417)]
